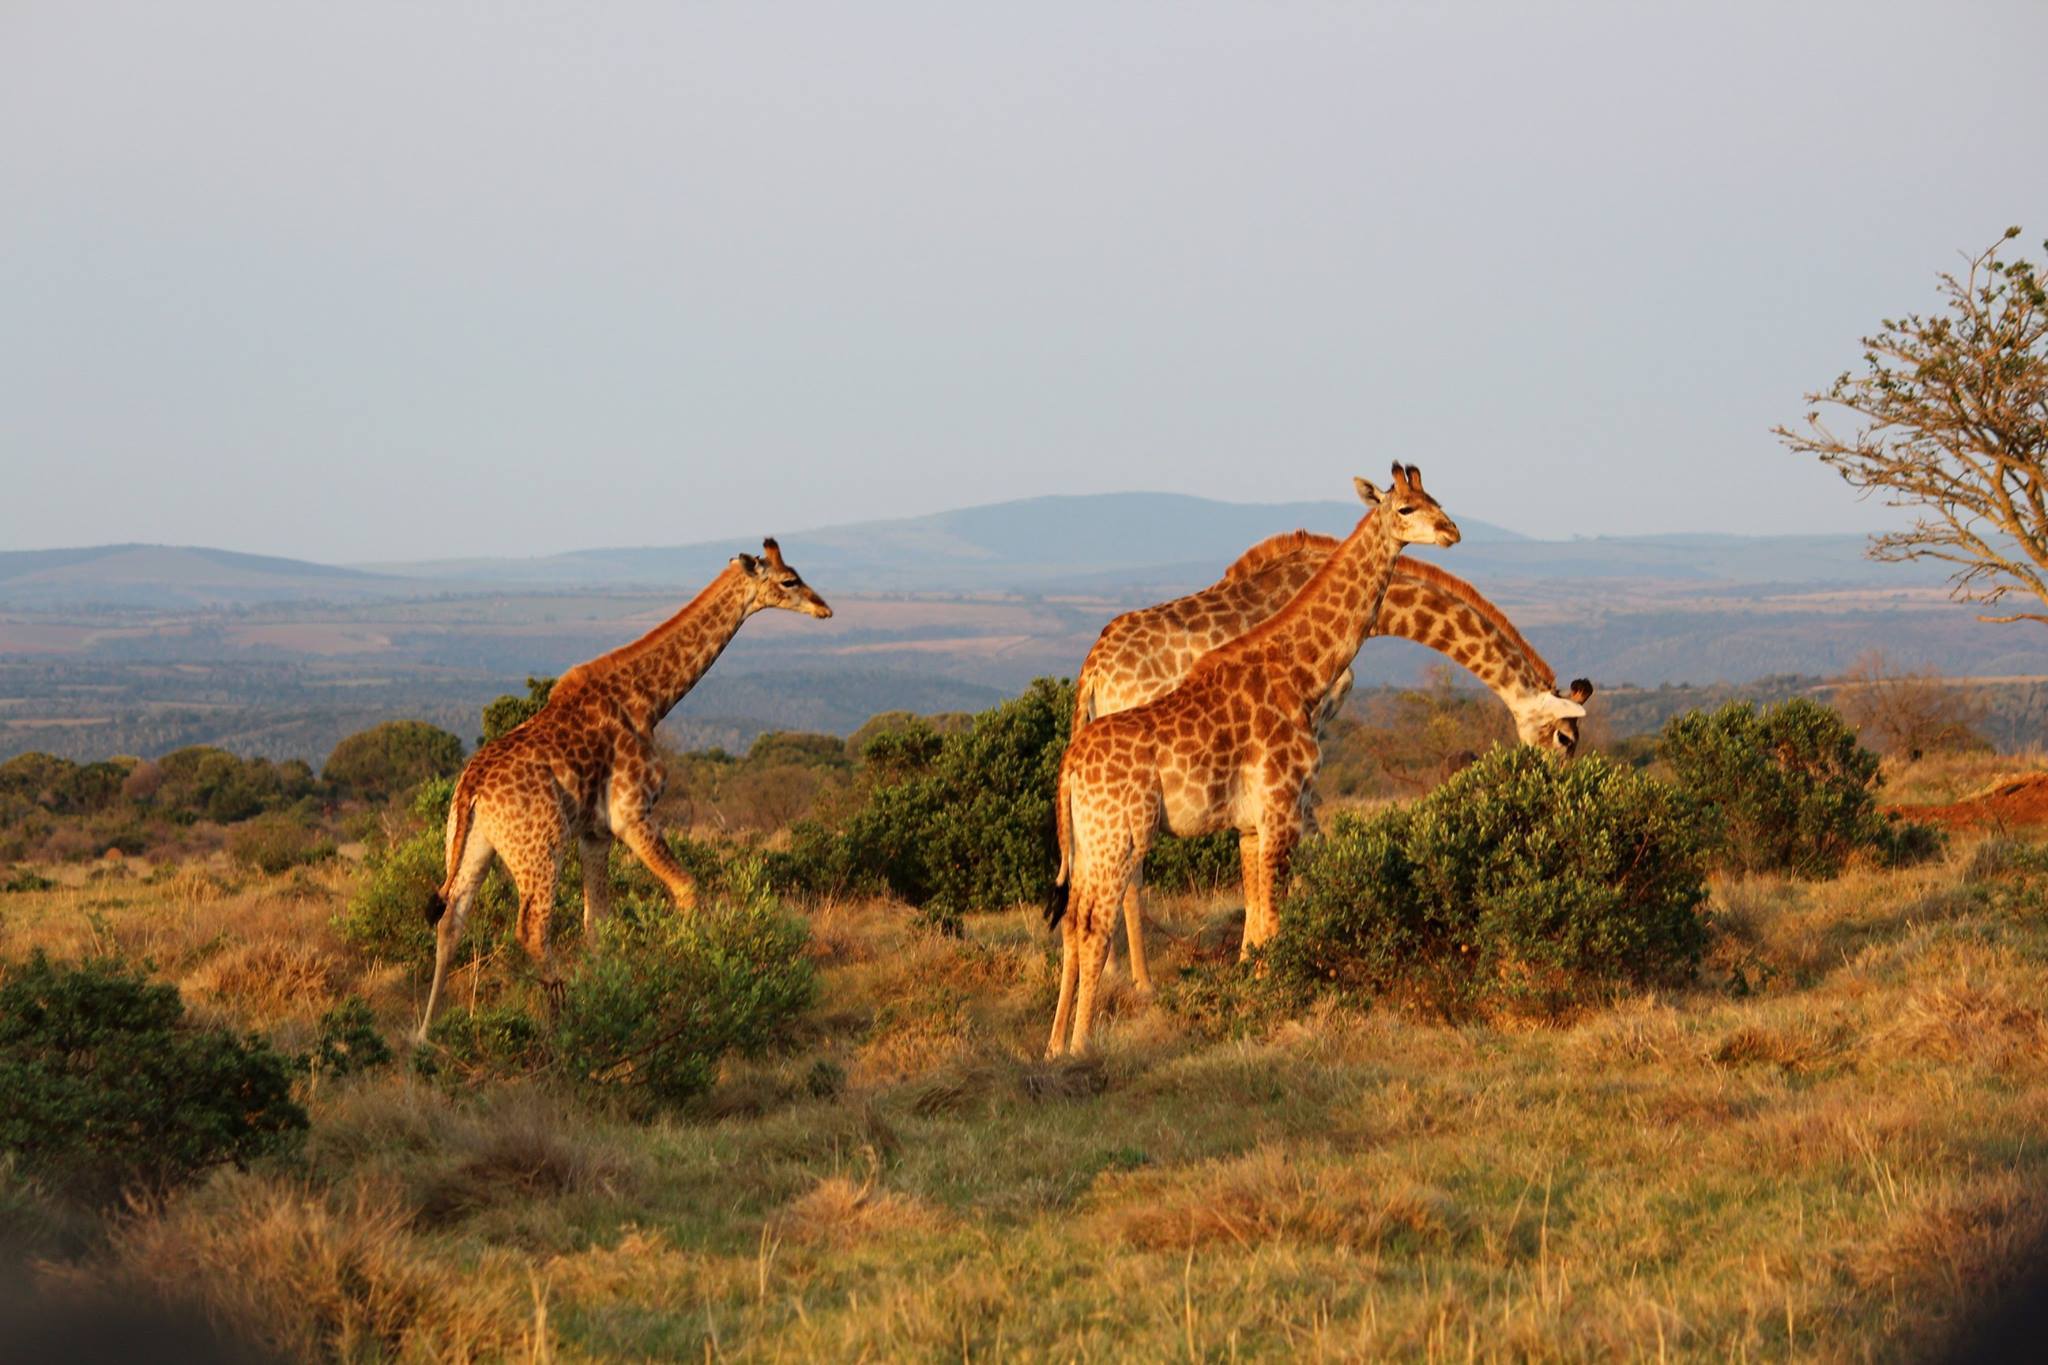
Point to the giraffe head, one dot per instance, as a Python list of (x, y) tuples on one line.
[(1549, 721), (1414, 518), (775, 584)]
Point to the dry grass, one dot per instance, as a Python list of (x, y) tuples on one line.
[(1828, 1149)]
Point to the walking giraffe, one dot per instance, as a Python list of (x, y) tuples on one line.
[(1143, 654), (584, 768), (1234, 745)]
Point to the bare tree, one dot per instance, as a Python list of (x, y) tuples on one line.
[(1952, 413), (1908, 713)]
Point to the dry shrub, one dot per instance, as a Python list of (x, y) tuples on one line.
[(1967, 1019), (327, 1276), (1954, 1245), (1801, 1047), (837, 1212), (1269, 1195), (1641, 1029), (269, 979)]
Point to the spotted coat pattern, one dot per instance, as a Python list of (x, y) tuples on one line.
[(1144, 654), (1232, 746), (583, 769)]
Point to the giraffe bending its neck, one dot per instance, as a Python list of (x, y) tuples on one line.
[(584, 768), (1143, 654), (1234, 745)]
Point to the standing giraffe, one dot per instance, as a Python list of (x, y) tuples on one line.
[(1143, 654), (584, 768), (1234, 745)]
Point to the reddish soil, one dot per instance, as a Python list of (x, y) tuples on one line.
[(2022, 801)]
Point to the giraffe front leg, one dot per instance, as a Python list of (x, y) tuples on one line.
[(1250, 882), (1276, 849), (645, 840)]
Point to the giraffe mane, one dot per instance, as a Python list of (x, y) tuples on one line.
[(1272, 550), (1457, 587)]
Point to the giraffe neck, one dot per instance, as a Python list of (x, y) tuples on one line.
[(1444, 612), (1321, 629), (652, 674)]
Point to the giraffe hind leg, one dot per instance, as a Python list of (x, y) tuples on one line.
[(476, 861)]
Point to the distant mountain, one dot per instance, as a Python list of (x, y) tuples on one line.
[(1037, 544), (176, 577), (1115, 544)]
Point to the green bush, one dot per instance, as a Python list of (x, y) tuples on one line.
[(278, 842), (393, 757), (949, 822), (650, 1008), (349, 1040), (1196, 866), (660, 997), (106, 1086), (511, 710), (1785, 789), (1519, 881)]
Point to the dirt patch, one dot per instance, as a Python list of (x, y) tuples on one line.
[(2022, 801)]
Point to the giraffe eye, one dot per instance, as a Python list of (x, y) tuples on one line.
[(1407, 511), (789, 582)]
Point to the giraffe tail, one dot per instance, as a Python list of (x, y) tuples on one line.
[(1062, 805), (461, 812)]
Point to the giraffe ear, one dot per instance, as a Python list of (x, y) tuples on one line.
[(1367, 494), (748, 564), (1564, 708)]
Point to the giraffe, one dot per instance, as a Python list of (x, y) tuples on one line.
[(584, 768), (1143, 654), (1234, 745)]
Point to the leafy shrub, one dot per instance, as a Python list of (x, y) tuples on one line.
[(1783, 789), (202, 782), (1519, 881), (655, 1002), (393, 757), (510, 711), (348, 1040), (277, 842), (1196, 865), (501, 1038), (26, 879), (949, 822), (660, 997), (105, 1085)]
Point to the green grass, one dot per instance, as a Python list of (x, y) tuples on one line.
[(1827, 1149)]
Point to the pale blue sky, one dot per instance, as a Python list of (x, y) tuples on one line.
[(391, 280)]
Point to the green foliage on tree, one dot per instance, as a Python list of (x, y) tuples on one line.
[(391, 758), (107, 1086), (1951, 416), (1783, 789), (510, 711), (1519, 882)]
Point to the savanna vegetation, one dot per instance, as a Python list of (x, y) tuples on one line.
[(1698, 1055)]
